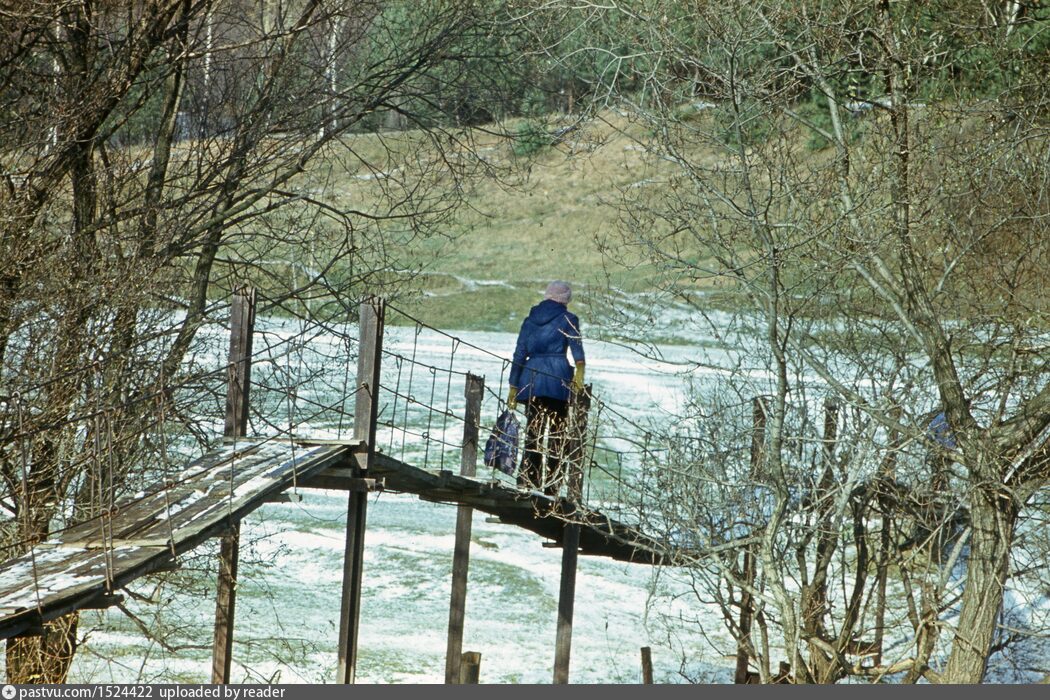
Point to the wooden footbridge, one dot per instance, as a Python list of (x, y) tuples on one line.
[(85, 566)]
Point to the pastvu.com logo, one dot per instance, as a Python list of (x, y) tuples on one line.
[(9, 692)]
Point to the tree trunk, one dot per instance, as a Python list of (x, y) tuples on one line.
[(993, 517)]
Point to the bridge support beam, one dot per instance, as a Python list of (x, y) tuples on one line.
[(225, 605), (566, 601), (579, 405), (366, 410), (475, 390), (239, 372)]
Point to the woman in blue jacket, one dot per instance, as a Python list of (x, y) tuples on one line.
[(542, 377)]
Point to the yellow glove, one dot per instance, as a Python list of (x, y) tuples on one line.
[(512, 399), (577, 378)]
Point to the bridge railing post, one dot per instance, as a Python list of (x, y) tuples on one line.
[(239, 372), (576, 441), (366, 411), (475, 390)]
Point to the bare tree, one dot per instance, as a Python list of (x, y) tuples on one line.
[(870, 193), (154, 156)]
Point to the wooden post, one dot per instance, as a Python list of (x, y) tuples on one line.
[(366, 409), (238, 384), (566, 599), (239, 369), (759, 411), (831, 430), (758, 440), (579, 404), (579, 407), (225, 605), (742, 655), (647, 666), (470, 668), (475, 390)]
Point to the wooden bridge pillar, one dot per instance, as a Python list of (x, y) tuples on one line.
[(475, 390), (242, 325), (579, 405), (566, 599), (366, 410)]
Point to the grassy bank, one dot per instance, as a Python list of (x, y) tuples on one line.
[(534, 218)]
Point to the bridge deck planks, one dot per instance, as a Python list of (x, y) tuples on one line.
[(74, 568)]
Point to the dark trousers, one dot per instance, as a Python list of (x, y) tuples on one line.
[(545, 433)]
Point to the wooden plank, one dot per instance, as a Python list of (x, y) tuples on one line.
[(147, 519), (598, 535), (66, 580), (647, 666), (219, 505), (189, 537), (474, 391), (131, 510), (131, 514), (187, 522)]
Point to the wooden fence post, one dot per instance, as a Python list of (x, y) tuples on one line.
[(647, 666), (366, 409), (238, 385), (475, 389), (574, 454), (470, 668)]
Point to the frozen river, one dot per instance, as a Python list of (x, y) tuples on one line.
[(290, 578), (291, 562)]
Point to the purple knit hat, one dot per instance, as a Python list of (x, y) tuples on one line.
[(559, 291)]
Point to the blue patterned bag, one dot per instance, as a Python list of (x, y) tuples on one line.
[(501, 450)]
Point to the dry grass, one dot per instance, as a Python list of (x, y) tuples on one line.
[(534, 219)]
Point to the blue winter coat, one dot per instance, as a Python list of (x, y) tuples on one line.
[(540, 366)]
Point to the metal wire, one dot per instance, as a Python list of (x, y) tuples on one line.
[(411, 375)]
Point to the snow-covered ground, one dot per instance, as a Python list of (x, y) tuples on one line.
[(288, 604)]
